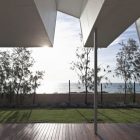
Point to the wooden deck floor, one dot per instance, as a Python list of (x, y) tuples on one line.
[(47, 131)]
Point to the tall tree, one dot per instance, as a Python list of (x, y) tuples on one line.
[(35, 82), (128, 63), (5, 73), (83, 68), (16, 73), (22, 62)]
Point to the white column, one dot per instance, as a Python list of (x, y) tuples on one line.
[(95, 79)]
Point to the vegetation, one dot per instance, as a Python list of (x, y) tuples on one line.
[(85, 71), (82, 68), (16, 76), (69, 115), (128, 64)]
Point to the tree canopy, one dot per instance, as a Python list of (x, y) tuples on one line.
[(16, 76), (128, 63), (85, 71)]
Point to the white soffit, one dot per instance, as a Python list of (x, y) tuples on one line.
[(71, 7), (89, 17), (114, 17), (138, 27), (27, 23)]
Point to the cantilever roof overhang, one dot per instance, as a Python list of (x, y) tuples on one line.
[(29, 23), (114, 18), (32, 23)]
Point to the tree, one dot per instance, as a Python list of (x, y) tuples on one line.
[(34, 80), (128, 63), (81, 66), (15, 73), (84, 70), (22, 62), (5, 72)]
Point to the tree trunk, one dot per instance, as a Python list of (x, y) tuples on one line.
[(69, 93), (101, 94), (34, 98), (134, 98), (34, 94), (21, 98), (17, 97), (10, 93), (86, 88), (125, 93)]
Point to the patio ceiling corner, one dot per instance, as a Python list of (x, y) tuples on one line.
[(28, 23), (109, 17), (113, 18), (71, 7)]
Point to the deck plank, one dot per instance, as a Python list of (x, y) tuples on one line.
[(22, 131), (63, 131), (57, 132), (67, 135), (70, 132), (40, 136), (74, 132), (47, 135), (90, 131), (37, 137), (46, 127), (54, 132), (35, 131), (108, 132), (28, 132)]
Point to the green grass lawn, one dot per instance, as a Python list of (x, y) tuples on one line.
[(69, 115)]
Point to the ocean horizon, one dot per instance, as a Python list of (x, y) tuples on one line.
[(57, 87)]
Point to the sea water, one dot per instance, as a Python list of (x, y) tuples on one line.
[(54, 87)]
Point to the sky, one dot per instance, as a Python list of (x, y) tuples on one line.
[(56, 61)]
